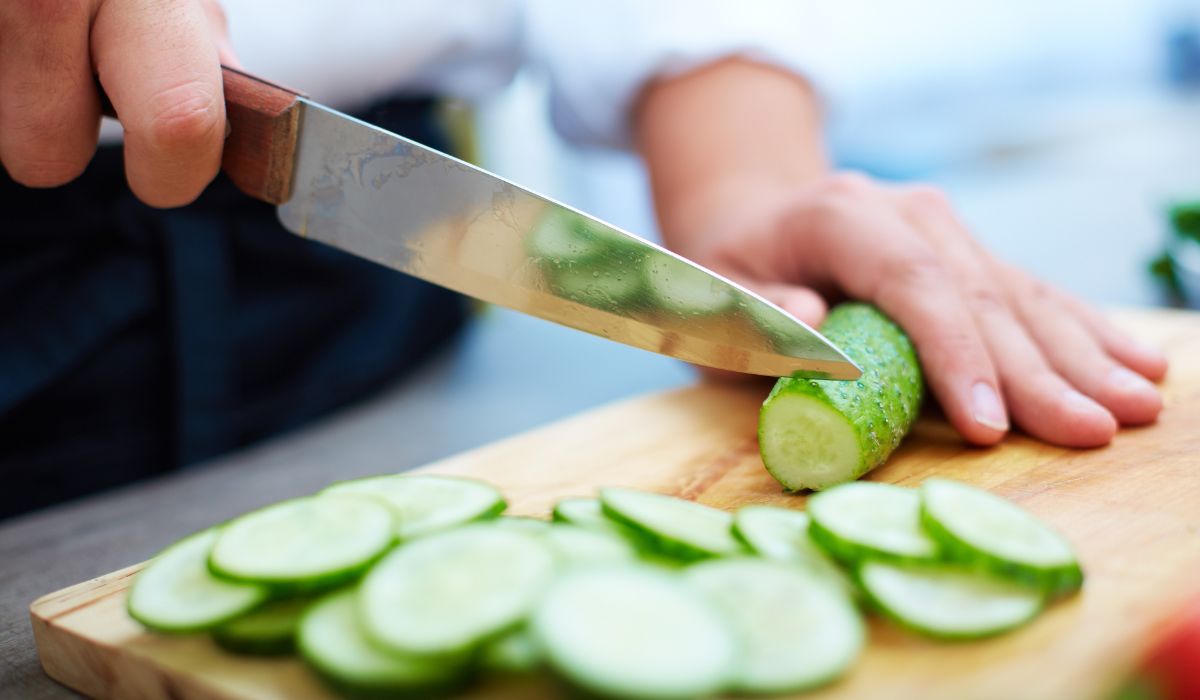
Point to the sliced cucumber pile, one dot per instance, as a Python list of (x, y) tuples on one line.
[(633, 595), (814, 434)]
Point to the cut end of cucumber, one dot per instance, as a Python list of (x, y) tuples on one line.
[(806, 444), (177, 593), (948, 603), (683, 647), (865, 519)]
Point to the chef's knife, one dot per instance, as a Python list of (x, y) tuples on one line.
[(380, 196)]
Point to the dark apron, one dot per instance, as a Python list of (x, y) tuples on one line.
[(135, 341)]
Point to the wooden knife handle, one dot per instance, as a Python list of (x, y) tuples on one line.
[(264, 123)]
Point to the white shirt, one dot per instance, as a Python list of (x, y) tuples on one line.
[(598, 55)]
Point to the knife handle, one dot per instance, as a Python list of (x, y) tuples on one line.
[(264, 123)]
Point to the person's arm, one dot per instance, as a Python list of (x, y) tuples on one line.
[(742, 185), (159, 63)]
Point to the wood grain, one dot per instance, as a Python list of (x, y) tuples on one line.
[(1133, 510)]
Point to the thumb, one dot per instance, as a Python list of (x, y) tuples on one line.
[(801, 302)]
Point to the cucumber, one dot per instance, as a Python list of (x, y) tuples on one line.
[(672, 526), (864, 519), (578, 546), (514, 652), (448, 592), (424, 503), (635, 631), (584, 512), (947, 603), (796, 631), (305, 544), (521, 523), (980, 529), (813, 434), (331, 639), (683, 289), (781, 534), (269, 630), (176, 593)]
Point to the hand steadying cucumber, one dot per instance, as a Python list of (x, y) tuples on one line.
[(814, 434)]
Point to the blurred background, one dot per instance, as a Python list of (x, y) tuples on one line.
[(1061, 130)]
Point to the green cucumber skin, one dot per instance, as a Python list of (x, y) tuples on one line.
[(286, 588), (1055, 581), (880, 406), (876, 606), (274, 638)]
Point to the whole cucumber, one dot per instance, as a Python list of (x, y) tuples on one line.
[(814, 434)]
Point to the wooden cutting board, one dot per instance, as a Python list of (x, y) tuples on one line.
[(1132, 509)]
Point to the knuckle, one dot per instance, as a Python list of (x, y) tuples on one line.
[(847, 184), (925, 200), (986, 299), (184, 117)]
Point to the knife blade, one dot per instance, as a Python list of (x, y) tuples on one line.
[(388, 199)]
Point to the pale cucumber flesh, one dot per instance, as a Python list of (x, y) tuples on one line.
[(866, 519), (683, 647), (446, 593), (795, 630), (672, 526), (176, 592), (305, 543), (946, 602), (424, 503)]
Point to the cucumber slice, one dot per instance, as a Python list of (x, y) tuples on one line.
[(521, 523), (514, 652), (685, 289), (578, 546), (796, 630), (303, 544), (781, 534), (424, 503), (446, 593), (978, 528), (672, 526), (269, 630), (584, 512), (865, 519), (814, 434), (177, 593), (635, 631), (948, 603), (331, 640)]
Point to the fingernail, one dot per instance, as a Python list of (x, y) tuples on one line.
[(1127, 381), (987, 408), (1078, 402)]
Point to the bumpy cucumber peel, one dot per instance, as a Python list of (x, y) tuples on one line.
[(814, 434)]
